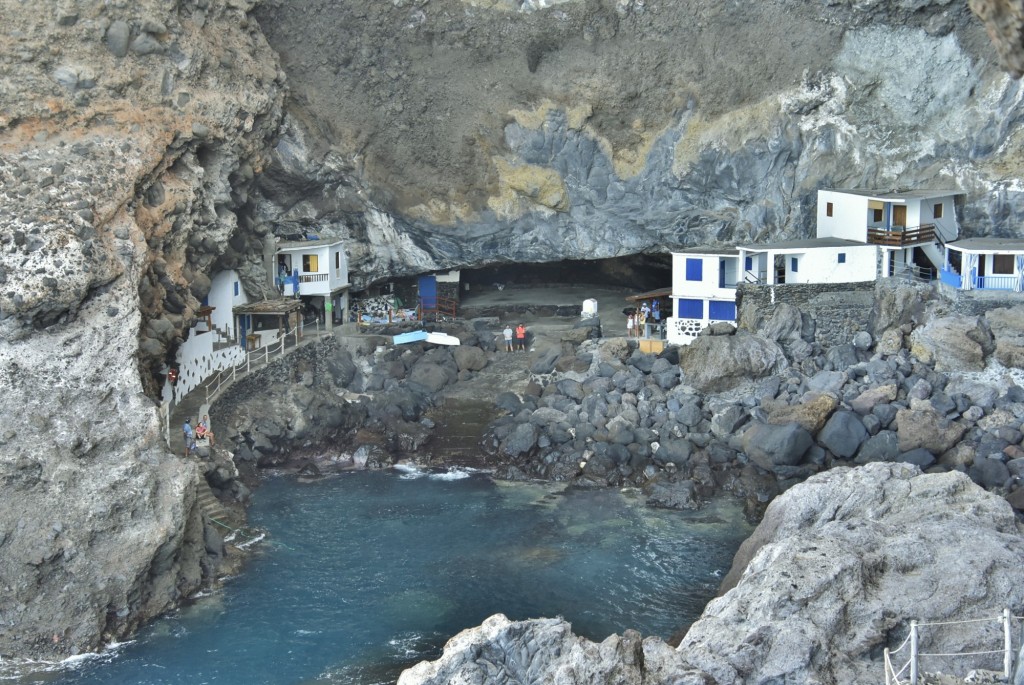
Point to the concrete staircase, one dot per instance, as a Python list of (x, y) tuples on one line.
[(209, 504)]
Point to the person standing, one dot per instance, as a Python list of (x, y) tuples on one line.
[(521, 337), (507, 333), (630, 324), (189, 437)]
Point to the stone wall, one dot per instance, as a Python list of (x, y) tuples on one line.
[(838, 309)]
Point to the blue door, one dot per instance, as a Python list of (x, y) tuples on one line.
[(428, 292), (721, 311)]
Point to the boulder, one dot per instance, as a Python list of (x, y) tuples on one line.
[(665, 494), (827, 381), (813, 597), (989, 473), (544, 360), (811, 413), (726, 421), (718, 363), (884, 446), (843, 434), (769, 445), (953, 343), (927, 429), (1007, 325), (870, 398), (469, 358), (521, 440)]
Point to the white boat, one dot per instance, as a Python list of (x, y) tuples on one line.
[(442, 339)]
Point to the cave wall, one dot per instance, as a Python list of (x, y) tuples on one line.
[(129, 133), (447, 133)]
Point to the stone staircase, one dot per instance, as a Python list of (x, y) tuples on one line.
[(209, 504)]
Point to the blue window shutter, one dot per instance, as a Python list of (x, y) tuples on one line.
[(722, 311), (694, 269), (691, 309), (236, 288), (793, 264), (842, 258), (748, 264)]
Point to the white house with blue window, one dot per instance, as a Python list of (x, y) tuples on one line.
[(817, 260), (984, 264), (315, 270), (703, 291)]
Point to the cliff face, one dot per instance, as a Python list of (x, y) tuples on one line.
[(473, 132), (128, 133)]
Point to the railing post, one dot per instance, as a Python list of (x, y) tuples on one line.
[(1007, 645), (913, 653), (885, 663)]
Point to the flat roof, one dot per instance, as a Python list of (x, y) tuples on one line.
[(300, 244), (279, 306), (806, 244), (708, 249), (989, 244), (896, 195), (650, 295)]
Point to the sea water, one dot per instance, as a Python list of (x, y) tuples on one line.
[(364, 574)]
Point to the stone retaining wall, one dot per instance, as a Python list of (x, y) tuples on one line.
[(839, 309), (978, 302)]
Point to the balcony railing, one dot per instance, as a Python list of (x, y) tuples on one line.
[(313, 278), (903, 237), (951, 278)]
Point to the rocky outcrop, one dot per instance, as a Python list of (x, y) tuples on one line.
[(717, 363), (813, 596), (129, 134)]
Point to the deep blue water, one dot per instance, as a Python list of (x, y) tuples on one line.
[(366, 573)]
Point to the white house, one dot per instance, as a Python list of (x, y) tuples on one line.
[(316, 271), (898, 222), (984, 264), (703, 291), (226, 293), (818, 260)]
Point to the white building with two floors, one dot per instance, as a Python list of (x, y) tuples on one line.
[(860, 235)]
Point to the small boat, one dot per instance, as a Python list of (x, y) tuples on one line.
[(442, 339)]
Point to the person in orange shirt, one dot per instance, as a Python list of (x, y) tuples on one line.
[(521, 337)]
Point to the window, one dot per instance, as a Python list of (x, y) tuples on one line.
[(1002, 264), (748, 264), (691, 309), (828, 209), (877, 215), (842, 258), (793, 263), (236, 288), (337, 260), (937, 210), (310, 264), (694, 269)]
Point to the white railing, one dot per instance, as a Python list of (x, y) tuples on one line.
[(910, 669), (214, 384)]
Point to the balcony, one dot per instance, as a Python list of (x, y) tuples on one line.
[(902, 237), (951, 278)]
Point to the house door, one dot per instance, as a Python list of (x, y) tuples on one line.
[(780, 269), (899, 215), (428, 292)]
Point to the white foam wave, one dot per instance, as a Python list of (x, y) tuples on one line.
[(409, 472), (453, 474), (250, 543)]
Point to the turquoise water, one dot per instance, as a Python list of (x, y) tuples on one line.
[(366, 573)]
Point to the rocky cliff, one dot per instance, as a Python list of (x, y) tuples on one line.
[(129, 132), (824, 584), (439, 133), (145, 145)]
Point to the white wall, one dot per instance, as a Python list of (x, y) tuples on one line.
[(223, 299), (821, 265), (708, 285), (449, 277), (197, 361), (947, 225), (849, 218)]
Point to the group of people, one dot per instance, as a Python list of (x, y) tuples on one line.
[(200, 432), (515, 340), (636, 321)]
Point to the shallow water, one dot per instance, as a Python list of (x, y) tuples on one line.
[(366, 573)]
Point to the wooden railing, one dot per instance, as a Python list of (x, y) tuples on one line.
[(905, 237), (437, 308)]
